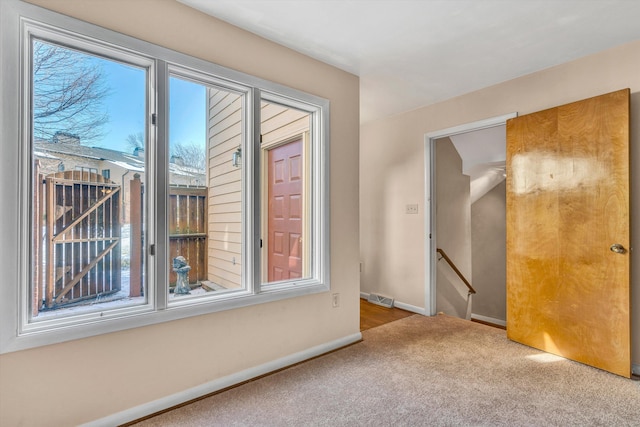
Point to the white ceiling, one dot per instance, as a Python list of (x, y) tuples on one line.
[(486, 146), (411, 53), (484, 155)]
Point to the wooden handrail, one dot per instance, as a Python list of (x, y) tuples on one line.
[(454, 268)]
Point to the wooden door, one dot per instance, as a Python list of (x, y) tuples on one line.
[(567, 205), (285, 178)]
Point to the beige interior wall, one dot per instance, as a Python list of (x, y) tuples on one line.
[(488, 253), (79, 381), (392, 165)]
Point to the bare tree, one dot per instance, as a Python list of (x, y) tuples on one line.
[(68, 93), (192, 154), (135, 140)]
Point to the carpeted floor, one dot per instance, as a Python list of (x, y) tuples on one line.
[(424, 371)]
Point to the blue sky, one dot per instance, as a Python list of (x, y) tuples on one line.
[(187, 106)]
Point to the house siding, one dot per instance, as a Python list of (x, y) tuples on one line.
[(225, 189)]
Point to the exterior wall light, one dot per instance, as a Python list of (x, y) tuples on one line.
[(237, 157)]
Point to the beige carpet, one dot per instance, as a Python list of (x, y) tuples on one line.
[(424, 371)]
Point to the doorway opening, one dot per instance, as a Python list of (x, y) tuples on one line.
[(466, 221)]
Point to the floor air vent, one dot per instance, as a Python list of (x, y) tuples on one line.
[(380, 300)]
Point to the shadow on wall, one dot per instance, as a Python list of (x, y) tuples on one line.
[(452, 297)]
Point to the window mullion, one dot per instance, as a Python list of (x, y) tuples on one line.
[(159, 164), (253, 211)]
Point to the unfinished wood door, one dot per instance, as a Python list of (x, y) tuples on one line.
[(286, 170), (567, 209)]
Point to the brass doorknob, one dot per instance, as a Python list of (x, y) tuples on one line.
[(617, 248)]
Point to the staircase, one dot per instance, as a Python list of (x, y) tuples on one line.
[(455, 293)]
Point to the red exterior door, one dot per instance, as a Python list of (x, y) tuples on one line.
[(285, 186)]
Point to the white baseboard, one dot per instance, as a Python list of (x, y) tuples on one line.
[(489, 319), (167, 402), (408, 307), (411, 308)]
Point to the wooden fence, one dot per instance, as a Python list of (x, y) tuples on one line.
[(77, 236), (187, 231)]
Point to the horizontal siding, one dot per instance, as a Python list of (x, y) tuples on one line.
[(287, 131), (225, 218), (226, 116), (223, 105), (225, 190), (232, 227), (224, 198), (217, 245), (225, 140), (220, 276), (227, 207), (224, 179), (279, 122), (226, 236), (269, 111)]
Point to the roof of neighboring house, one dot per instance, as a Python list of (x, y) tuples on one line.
[(95, 153), (45, 149)]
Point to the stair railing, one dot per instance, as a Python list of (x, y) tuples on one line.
[(455, 269)]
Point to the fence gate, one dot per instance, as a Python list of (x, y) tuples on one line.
[(82, 237)]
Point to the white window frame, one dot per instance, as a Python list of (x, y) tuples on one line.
[(318, 157), (18, 20)]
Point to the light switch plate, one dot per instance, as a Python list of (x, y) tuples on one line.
[(412, 209)]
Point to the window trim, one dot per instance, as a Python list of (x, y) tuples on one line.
[(16, 17)]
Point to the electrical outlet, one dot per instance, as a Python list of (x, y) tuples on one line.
[(412, 209), (335, 300)]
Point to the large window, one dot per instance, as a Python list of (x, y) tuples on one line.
[(157, 186)]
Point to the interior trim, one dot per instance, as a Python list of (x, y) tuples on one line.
[(430, 202), (489, 319)]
